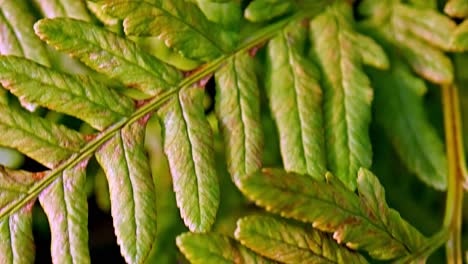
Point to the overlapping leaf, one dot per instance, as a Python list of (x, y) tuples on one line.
[(296, 102), (17, 35), (227, 14), (460, 36), (65, 204), (361, 222), (456, 8), (180, 24), (16, 230), (400, 110), (238, 112), (131, 188), (108, 53), (77, 96), (38, 138), (264, 10), (214, 248), (291, 243), (347, 93), (420, 34), (64, 8), (189, 148)]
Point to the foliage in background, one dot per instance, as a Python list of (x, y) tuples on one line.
[(269, 120)]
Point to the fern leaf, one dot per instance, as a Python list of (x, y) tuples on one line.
[(429, 25), (238, 110), (64, 8), (38, 138), (65, 204), (347, 94), (400, 111), (18, 37), (361, 222), (227, 14), (264, 10), (460, 36), (108, 53), (291, 243), (189, 148), (131, 188), (371, 53), (296, 103), (181, 25), (420, 34), (17, 245), (216, 249), (74, 95), (456, 8)]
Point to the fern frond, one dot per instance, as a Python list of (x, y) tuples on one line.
[(38, 138), (132, 192), (296, 102), (421, 36), (238, 112), (77, 96), (66, 206), (16, 230), (214, 248), (188, 145), (347, 93), (75, 9), (291, 243), (456, 8), (264, 10), (108, 53), (361, 222), (180, 24), (17, 34)]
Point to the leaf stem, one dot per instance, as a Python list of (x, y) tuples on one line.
[(456, 173), (254, 40)]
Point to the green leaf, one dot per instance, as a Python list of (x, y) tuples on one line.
[(216, 249), (296, 102), (347, 94), (39, 138), (291, 243), (456, 8), (420, 35), (16, 230), (181, 25), (228, 14), (108, 53), (238, 112), (264, 10), (428, 25), (188, 145), (65, 204), (131, 188), (17, 245), (400, 110), (371, 53), (18, 37), (77, 96), (157, 48), (64, 8), (362, 222), (460, 36)]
